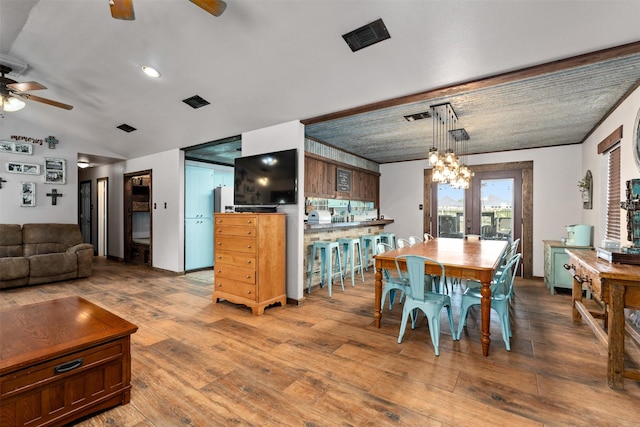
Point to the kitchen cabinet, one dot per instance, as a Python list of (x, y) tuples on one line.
[(555, 257)]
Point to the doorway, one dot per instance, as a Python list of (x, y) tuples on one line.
[(497, 206), (84, 211), (137, 218), (102, 215)]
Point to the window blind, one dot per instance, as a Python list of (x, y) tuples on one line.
[(613, 195)]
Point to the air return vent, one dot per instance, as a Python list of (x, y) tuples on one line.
[(125, 127), (417, 116), (196, 101), (366, 35)]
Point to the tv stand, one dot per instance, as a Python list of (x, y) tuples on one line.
[(257, 209)]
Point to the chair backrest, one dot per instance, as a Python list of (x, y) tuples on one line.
[(402, 243), (427, 237), (380, 249), (414, 239), (504, 283), (416, 275)]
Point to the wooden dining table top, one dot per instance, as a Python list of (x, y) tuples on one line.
[(457, 255)]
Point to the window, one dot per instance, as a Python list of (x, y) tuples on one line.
[(613, 195)]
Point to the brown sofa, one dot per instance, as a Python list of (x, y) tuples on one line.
[(41, 253)]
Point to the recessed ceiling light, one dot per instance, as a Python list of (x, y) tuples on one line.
[(150, 71)]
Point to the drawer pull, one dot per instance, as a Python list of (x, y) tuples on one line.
[(247, 276), (248, 292), (248, 261), (248, 246), (218, 271), (248, 232), (248, 221), (219, 243), (219, 256), (68, 366)]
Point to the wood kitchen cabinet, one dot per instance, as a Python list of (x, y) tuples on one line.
[(250, 259), (320, 181)]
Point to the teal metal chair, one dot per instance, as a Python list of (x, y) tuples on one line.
[(414, 239), (326, 250), (403, 243), (388, 238), (368, 245), (391, 283), (500, 291), (418, 298)]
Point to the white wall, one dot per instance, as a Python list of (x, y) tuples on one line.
[(624, 116), (276, 138), (556, 199)]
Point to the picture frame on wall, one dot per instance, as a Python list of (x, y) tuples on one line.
[(24, 148), (54, 171), (7, 146), (27, 194), (23, 168)]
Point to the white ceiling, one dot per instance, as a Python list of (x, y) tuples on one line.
[(265, 62)]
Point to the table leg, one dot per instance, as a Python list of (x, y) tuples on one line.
[(615, 362), (377, 314), (485, 308), (576, 296)]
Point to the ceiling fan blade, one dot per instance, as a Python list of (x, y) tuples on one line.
[(214, 7), (122, 9), (45, 101), (26, 86)]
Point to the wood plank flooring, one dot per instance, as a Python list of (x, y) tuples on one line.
[(323, 363)]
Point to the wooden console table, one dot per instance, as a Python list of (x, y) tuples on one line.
[(616, 286), (62, 360)]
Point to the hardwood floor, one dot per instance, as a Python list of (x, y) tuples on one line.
[(323, 363)]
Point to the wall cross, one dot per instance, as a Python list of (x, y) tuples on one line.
[(1, 181), (54, 196), (52, 141)]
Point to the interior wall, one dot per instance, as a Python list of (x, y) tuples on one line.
[(625, 116), (276, 138), (556, 199)]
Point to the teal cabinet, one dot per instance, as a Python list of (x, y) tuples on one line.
[(555, 257)]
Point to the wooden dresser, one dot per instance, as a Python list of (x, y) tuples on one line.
[(616, 287), (62, 360), (250, 259)]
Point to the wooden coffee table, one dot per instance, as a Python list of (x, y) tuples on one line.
[(62, 360)]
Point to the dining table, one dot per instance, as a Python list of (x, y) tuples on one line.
[(474, 259)]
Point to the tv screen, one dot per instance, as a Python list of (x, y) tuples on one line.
[(266, 179)]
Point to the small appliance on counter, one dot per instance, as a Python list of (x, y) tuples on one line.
[(319, 217), (579, 235)]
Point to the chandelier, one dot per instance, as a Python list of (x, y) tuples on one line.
[(448, 167)]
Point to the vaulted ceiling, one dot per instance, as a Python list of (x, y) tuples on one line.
[(264, 62)]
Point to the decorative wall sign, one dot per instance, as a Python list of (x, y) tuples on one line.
[(1, 181), (52, 141), (27, 139), (586, 187), (343, 180), (24, 168), (54, 171), (27, 194), (16, 147)]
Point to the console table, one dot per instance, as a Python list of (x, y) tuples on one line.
[(616, 287), (62, 360)]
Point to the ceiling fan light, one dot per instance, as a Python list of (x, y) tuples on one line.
[(150, 71), (83, 165), (11, 104)]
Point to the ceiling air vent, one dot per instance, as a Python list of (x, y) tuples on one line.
[(196, 101), (366, 35), (125, 127)]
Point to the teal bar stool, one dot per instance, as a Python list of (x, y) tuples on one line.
[(326, 250), (351, 251), (388, 238), (369, 243)]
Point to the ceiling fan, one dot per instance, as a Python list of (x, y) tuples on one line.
[(11, 90), (123, 9)]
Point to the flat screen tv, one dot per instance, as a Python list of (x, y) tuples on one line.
[(266, 179)]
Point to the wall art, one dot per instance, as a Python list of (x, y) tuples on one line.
[(27, 194), (54, 171)]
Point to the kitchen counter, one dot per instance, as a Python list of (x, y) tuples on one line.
[(316, 228)]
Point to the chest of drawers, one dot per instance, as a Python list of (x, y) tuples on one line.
[(250, 259)]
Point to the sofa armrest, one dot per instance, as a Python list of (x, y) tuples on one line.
[(80, 246), (85, 258)]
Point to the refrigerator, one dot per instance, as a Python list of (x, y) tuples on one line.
[(222, 199), (198, 218)]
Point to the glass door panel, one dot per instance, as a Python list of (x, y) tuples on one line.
[(496, 209), (450, 211)]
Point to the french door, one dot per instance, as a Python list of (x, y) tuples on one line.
[(492, 207)]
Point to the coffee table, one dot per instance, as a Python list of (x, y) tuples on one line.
[(62, 360)]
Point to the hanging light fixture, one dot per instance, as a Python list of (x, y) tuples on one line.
[(10, 103), (447, 139)]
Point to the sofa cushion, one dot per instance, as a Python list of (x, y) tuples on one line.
[(53, 264), (49, 238), (12, 268), (10, 240)]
